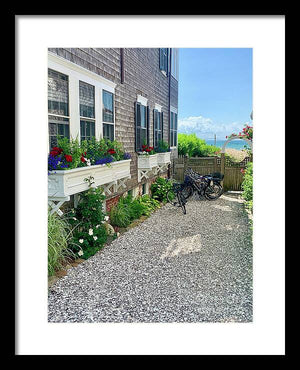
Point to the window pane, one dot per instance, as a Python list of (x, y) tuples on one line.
[(87, 130), (175, 121), (138, 115), (143, 116), (58, 96), (108, 131), (172, 138), (171, 124), (57, 126), (141, 137), (86, 100), (108, 107)]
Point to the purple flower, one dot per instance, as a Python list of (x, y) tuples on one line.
[(127, 156), (104, 160), (56, 163)]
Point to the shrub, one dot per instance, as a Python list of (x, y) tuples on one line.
[(247, 186), (149, 204), (160, 188), (89, 233), (191, 145), (119, 214), (59, 234), (129, 209)]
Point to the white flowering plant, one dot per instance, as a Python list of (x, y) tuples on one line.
[(89, 233)]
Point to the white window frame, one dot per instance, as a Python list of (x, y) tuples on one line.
[(158, 107), (82, 118), (174, 110), (174, 63), (141, 99), (108, 123), (75, 74)]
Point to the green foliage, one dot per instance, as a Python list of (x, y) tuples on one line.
[(192, 146), (59, 234), (149, 204), (119, 215), (129, 209), (162, 147), (73, 148), (89, 233), (88, 152), (247, 186), (160, 188)]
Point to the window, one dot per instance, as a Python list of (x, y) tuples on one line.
[(173, 129), (157, 127), (174, 63), (58, 106), (141, 126), (108, 115), (163, 60), (87, 110)]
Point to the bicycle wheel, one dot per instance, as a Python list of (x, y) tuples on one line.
[(213, 191), (171, 197), (181, 201)]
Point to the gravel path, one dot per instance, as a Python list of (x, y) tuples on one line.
[(171, 268)]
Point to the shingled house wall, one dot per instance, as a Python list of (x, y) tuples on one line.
[(142, 76)]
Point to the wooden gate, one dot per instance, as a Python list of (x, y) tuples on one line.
[(233, 176)]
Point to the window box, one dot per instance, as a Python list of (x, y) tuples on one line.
[(163, 158), (63, 183), (147, 161)]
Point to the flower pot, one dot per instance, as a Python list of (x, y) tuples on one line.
[(63, 183), (147, 161), (163, 158)]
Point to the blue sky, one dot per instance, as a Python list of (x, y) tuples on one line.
[(215, 91)]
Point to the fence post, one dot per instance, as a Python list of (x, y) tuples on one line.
[(223, 166)]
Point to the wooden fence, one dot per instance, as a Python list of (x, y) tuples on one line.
[(205, 165)]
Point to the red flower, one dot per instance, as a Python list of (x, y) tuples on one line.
[(151, 148), (111, 151), (68, 158), (147, 150), (55, 151), (59, 150), (82, 159)]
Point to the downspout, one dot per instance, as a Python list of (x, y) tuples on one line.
[(122, 64)]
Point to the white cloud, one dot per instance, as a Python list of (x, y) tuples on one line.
[(206, 128)]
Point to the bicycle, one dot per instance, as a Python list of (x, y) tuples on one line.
[(176, 197), (207, 186)]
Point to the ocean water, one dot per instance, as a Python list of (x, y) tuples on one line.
[(234, 144)]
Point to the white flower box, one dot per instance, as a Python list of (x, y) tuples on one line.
[(146, 162), (63, 183), (164, 158)]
